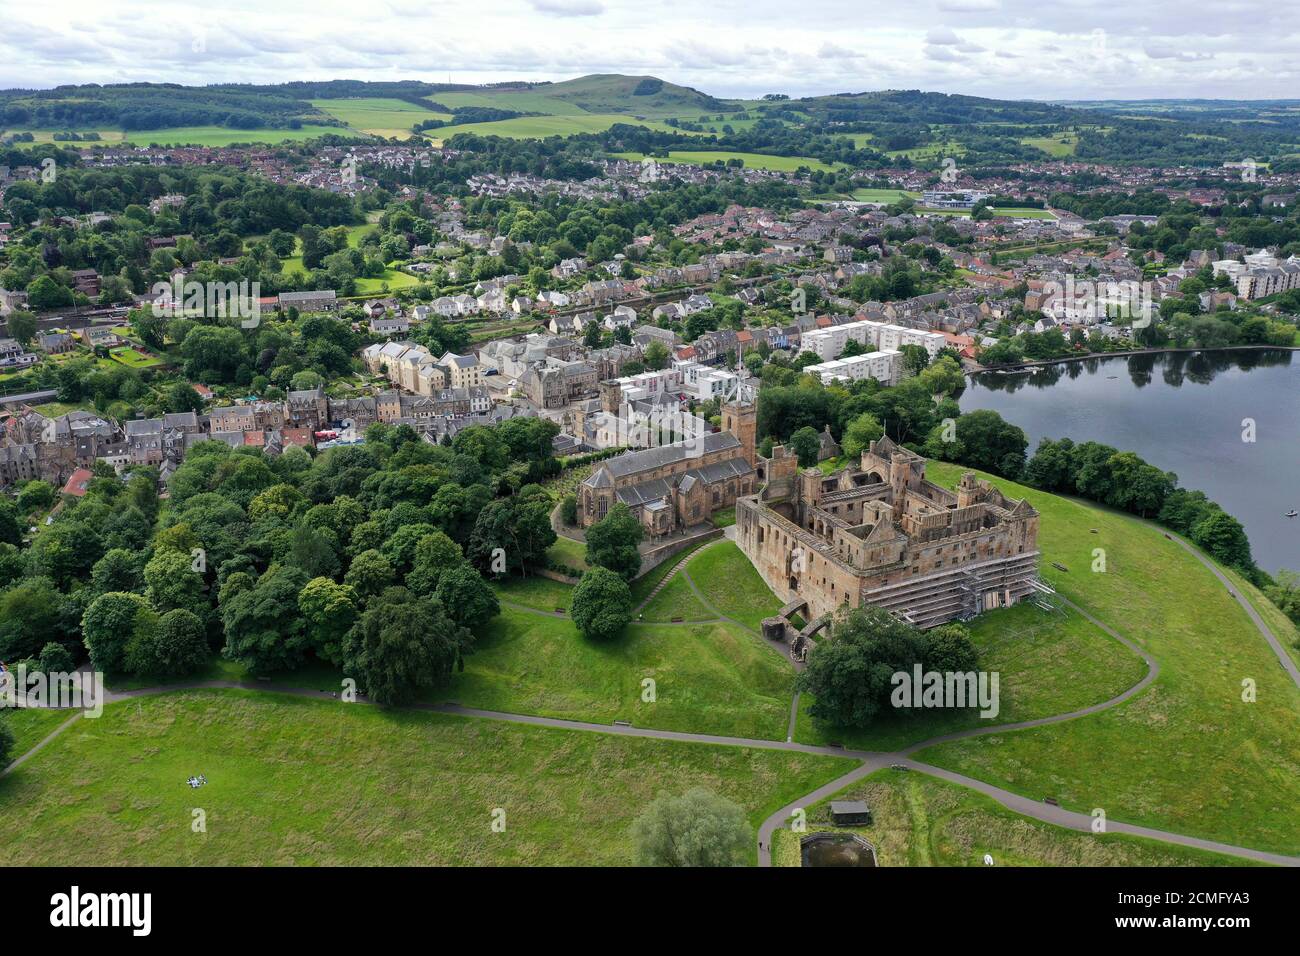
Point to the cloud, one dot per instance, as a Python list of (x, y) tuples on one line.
[(968, 6), (1161, 52), (569, 8)]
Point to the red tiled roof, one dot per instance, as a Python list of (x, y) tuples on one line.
[(78, 481)]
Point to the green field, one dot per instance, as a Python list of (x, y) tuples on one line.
[(883, 195), (132, 358), (1048, 663), (781, 164), (1057, 146), (709, 678), (378, 116), (677, 600), (1187, 754), (729, 582), (540, 127), (918, 820), (293, 781), (223, 136)]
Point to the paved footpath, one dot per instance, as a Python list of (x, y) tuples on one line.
[(870, 761)]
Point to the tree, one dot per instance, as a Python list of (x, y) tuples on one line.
[(981, 439), (31, 615), (262, 632), (466, 597), (612, 542), (403, 645), (182, 397), (329, 610), (699, 828), (22, 326), (369, 574), (1224, 539), (656, 355), (113, 623), (12, 525), (1285, 593), (806, 443), (850, 676), (435, 553), (859, 434), (602, 604), (55, 659), (519, 527), (176, 647), (171, 582)]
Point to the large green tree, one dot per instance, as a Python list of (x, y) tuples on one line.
[(602, 604), (612, 542), (402, 646), (698, 828)]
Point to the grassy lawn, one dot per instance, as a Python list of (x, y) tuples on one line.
[(379, 116), (392, 279), (132, 358), (31, 725), (918, 820), (569, 552), (534, 591), (1187, 754), (222, 136), (295, 781), (731, 584), (677, 600), (1047, 664), (714, 678), (782, 164), (724, 518), (642, 586)]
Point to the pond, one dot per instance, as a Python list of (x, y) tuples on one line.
[(836, 849), (1182, 412)]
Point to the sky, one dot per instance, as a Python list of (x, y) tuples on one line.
[(1014, 49)]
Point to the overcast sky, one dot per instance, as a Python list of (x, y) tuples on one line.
[(1029, 49)]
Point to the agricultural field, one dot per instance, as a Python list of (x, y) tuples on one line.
[(379, 116), (223, 136), (1058, 145), (540, 127), (918, 820), (783, 164), (294, 781), (1187, 754), (883, 195)]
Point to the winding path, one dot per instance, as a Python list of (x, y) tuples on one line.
[(871, 761)]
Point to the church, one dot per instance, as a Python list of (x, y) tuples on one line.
[(677, 486)]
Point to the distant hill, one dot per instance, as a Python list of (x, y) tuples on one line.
[(642, 95)]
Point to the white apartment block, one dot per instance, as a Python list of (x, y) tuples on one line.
[(828, 343), (885, 366), (1261, 274)]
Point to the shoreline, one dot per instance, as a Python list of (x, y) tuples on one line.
[(1036, 363)]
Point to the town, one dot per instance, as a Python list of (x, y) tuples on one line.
[(617, 449)]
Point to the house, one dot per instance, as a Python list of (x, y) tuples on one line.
[(390, 325), (850, 813), (78, 482), (318, 301), (55, 343)]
